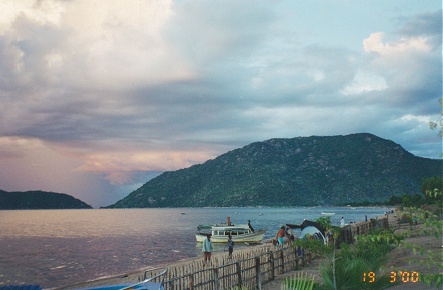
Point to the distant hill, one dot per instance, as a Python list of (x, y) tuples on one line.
[(299, 171), (39, 200)]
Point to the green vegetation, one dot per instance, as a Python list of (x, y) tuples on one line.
[(438, 125), (433, 226), (432, 189), (300, 281), (355, 266), (39, 200), (301, 171), (346, 266)]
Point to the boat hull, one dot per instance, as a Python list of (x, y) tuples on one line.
[(254, 237)]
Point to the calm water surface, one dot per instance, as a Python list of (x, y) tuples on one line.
[(56, 248)]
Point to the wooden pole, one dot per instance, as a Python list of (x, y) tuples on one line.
[(258, 272), (191, 281), (215, 278), (282, 257), (239, 282), (296, 258), (271, 260)]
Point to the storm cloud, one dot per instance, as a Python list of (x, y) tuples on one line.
[(98, 97)]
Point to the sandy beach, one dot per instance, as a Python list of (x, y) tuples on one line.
[(132, 277)]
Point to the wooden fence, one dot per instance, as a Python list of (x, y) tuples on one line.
[(349, 232), (248, 269)]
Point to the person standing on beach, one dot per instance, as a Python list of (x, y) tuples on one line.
[(207, 249), (342, 222), (250, 226), (281, 234), (230, 246)]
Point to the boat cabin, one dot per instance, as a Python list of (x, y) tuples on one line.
[(234, 231)]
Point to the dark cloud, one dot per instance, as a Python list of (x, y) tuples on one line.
[(117, 96), (424, 24)]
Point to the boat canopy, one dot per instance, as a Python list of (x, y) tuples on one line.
[(308, 223), (312, 231)]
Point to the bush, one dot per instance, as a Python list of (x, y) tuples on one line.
[(299, 281), (347, 267)]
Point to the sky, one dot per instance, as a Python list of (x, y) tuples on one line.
[(98, 97)]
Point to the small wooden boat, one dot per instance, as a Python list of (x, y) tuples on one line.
[(239, 233)]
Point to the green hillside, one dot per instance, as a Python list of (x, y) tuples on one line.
[(39, 200), (292, 172)]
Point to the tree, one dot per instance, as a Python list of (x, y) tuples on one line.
[(430, 184), (430, 187), (434, 124)]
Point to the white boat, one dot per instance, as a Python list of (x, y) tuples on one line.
[(239, 233), (328, 213)]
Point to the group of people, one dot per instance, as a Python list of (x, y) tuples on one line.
[(284, 235), (207, 246)]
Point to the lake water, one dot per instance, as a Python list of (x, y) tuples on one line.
[(56, 248)]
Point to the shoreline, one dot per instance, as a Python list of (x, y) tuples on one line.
[(68, 249), (399, 258), (136, 275)]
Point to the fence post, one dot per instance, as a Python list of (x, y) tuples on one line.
[(239, 282), (191, 281), (258, 272), (303, 260), (271, 261), (296, 258), (171, 285), (282, 257), (172, 276), (215, 278)]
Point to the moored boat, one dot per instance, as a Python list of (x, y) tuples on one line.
[(328, 213), (239, 233)]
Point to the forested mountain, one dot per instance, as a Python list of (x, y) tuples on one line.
[(299, 171), (39, 200)]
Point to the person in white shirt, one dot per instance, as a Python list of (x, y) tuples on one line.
[(207, 249)]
